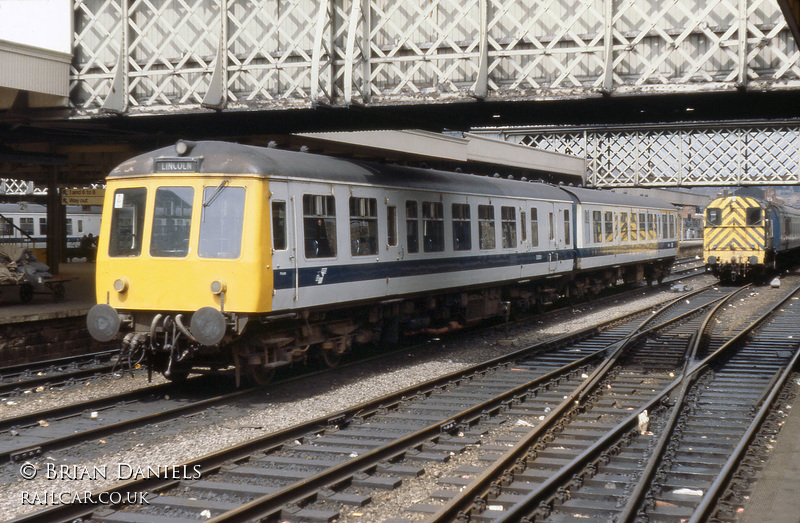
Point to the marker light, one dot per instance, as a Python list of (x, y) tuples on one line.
[(121, 284), (218, 287)]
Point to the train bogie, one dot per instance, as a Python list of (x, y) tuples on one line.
[(257, 258)]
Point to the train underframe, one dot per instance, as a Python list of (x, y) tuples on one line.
[(745, 268), (255, 346)]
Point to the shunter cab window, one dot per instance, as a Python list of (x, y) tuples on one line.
[(221, 222), (433, 226), (279, 225), (172, 218), (754, 216), (363, 226), (508, 222), (127, 222), (462, 231), (713, 216), (486, 236), (412, 227), (319, 226)]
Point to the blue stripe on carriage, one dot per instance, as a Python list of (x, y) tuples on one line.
[(332, 274)]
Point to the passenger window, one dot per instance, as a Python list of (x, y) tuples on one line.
[(172, 218), (462, 231), (642, 226), (713, 216), (433, 226), (623, 230), (221, 222), (534, 227), (508, 224), (550, 226), (43, 226), (754, 216), (567, 238), (523, 229), (319, 226), (8, 226), (486, 239), (127, 222), (412, 227), (672, 226), (391, 225), (26, 226), (609, 226), (597, 227), (363, 226), (651, 230), (279, 225)]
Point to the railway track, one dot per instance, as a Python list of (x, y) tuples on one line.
[(62, 427), (677, 468), (310, 470), (55, 372), (75, 369)]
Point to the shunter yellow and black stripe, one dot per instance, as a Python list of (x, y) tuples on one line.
[(735, 231)]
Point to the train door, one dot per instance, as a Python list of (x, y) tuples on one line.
[(283, 216), (552, 237), (393, 250)]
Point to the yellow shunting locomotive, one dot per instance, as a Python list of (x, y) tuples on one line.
[(744, 237)]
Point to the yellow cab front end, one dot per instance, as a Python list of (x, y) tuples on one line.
[(182, 262)]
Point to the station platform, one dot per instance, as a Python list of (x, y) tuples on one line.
[(78, 299)]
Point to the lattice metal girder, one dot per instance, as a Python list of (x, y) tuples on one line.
[(161, 55), (678, 156)]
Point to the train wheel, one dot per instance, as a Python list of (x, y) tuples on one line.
[(258, 375), (331, 359)]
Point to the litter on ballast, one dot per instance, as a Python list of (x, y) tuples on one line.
[(688, 492), (644, 422)]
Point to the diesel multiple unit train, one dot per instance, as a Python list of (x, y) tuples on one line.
[(216, 254), (744, 237)]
